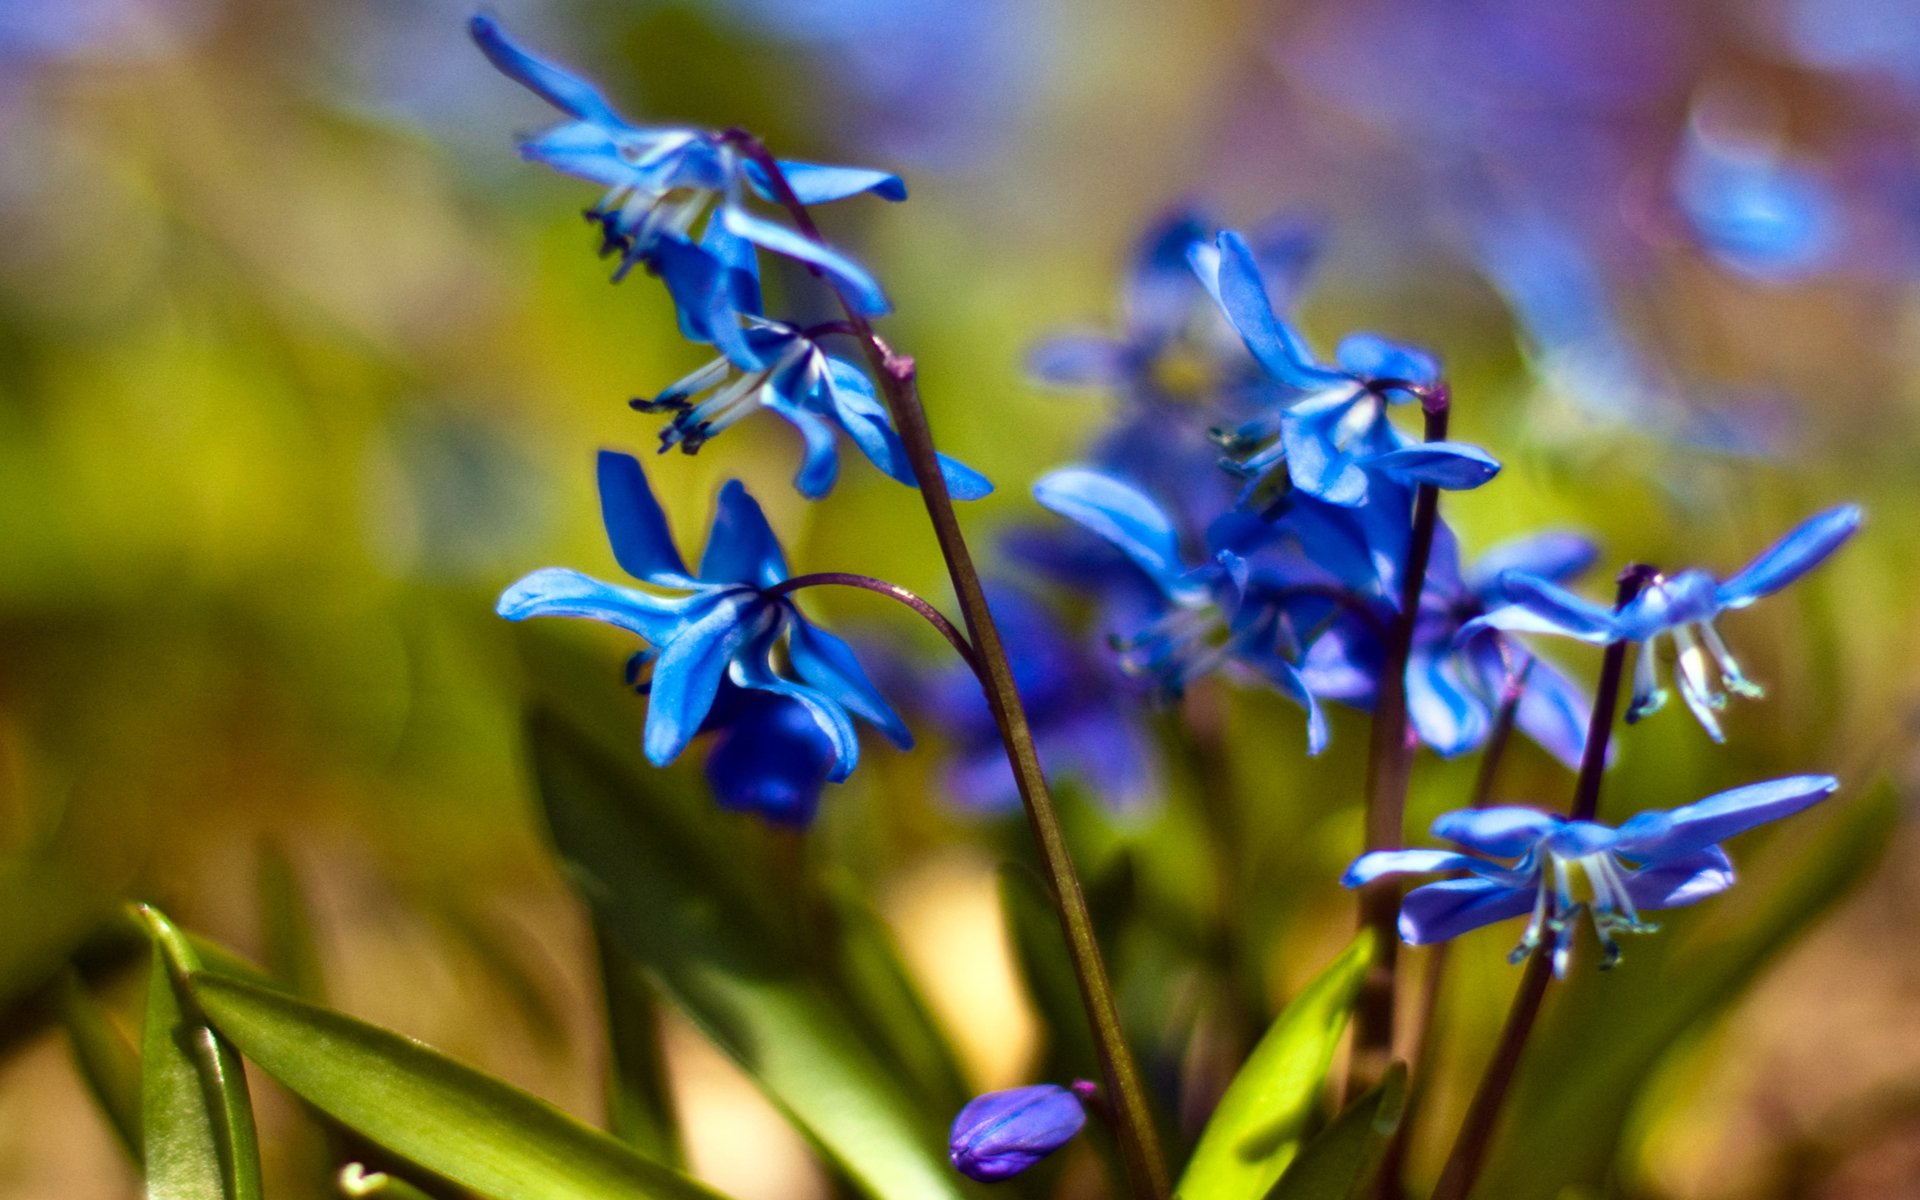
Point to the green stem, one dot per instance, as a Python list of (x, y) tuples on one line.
[(1389, 774), (1469, 1151), (897, 376)]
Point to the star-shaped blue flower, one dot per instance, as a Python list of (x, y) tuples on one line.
[(1683, 607), (1334, 428), (662, 180), (1225, 613), (720, 625), (1521, 860), (811, 389)]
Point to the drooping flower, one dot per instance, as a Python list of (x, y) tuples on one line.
[(1084, 713), (768, 756), (1682, 606), (1333, 430), (725, 624), (1521, 860), (1228, 613), (662, 180), (811, 389), (1000, 1134)]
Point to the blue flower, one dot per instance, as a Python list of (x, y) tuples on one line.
[(1000, 1134), (1752, 207), (768, 756), (1683, 606), (811, 389), (662, 180), (1522, 860), (1334, 430), (724, 625), (1085, 717), (1227, 613)]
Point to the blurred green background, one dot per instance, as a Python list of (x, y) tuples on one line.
[(299, 365)]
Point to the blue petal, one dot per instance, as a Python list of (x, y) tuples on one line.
[(1120, 513), (753, 668), (1554, 556), (705, 293), (1315, 462), (556, 592), (817, 183), (1802, 549), (562, 89), (1655, 835), (586, 149), (1285, 677), (1507, 831), (1675, 600), (741, 547), (1542, 607), (1079, 360), (858, 411), (828, 663), (636, 526), (860, 288), (1439, 911), (1445, 715), (771, 759), (1676, 882), (1106, 750), (1452, 465), (688, 673), (1273, 343), (1378, 864), (821, 466), (1001, 1134), (1371, 357), (1554, 712), (739, 268)]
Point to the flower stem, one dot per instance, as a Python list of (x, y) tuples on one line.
[(1389, 773), (1469, 1151), (932, 615), (897, 376)]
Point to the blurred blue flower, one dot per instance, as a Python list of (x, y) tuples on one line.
[(723, 626), (1521, 860), (1000, 1134), (1227, 613), (661, 180), (768, 756), (1753, 208), (1683, 606), (1334, 429), (812, 390), (1085, 716)]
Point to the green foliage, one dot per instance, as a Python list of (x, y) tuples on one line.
[(1256, 1130), (1340, 1162), (106, 1058)]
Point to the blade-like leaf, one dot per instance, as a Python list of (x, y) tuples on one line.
[(106, 1059), (1604, 1035), (1035, 932), (197, 1122), (1255, 1131), (673, 897), (1340, 1162), (640, 1105), (292, 952), (424, 1106), (51, 908)]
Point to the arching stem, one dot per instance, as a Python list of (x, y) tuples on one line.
[(933, 616)]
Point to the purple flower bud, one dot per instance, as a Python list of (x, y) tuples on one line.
[(1001, 1134)]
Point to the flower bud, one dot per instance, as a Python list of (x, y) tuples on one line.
[(1001, 1134)]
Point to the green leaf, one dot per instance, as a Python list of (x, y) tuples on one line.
[(51, 908), (106, 1059), (672, 893), (1256, 1129), (197, 1123), (640, 1105), (358, 1182), (1046, 970), (1339, 1164), (292, 952), (1603, 1035), (427, 1108)]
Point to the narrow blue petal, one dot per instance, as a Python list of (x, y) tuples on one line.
[(1079, 360), (1555, 556), (1378, 864), (1507, 831), (562, 89), (1273, 343), (1675, 600), (1316, 462), (855, 407), (1446, 716), (1676, 882), (741, 547), (1285, 677), (739, 266), (1439, 911), (636, 525), (1802, 549), (821, 466), (705, 293), (1656, 836), (1542, 607), (1369, 356), (770, 759), (859, 287), (818, 183), (1554, 712), (687, 675), (1455, 466), (1120, 513), (585, 149), (828, 663), (1000, 1134), (753, 668), (557, 592)]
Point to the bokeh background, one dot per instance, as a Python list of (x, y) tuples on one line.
[(299, 365)]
